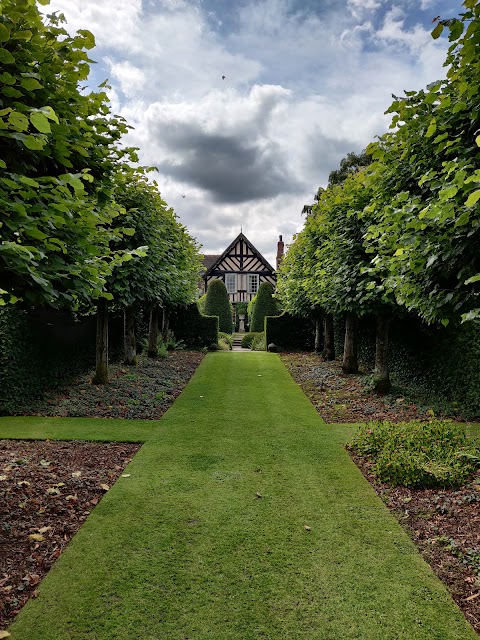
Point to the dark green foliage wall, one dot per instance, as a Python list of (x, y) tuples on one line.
[(196, 330), (432, 360), (218, 304), (265, 305), (289, 332), (40, 349)]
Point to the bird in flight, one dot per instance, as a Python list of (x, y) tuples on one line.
[(183, 196), (223, 77)]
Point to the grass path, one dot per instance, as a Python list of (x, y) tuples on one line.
[(184, 548)]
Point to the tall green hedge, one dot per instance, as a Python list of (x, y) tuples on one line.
[(290, 332), (40, 349), (438, 362), (195, 329), (218, 304), (265, 305)]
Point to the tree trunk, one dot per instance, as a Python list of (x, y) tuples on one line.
[(101, 371), (328, 337), (129, 342), (318, 333), (381, 375), (153, 333), (350, 361)]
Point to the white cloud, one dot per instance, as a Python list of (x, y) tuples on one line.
[(302, 88)]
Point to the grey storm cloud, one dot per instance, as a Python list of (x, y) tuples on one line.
[(231, 168)]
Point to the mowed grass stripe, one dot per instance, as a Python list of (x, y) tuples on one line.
[(184, 547)]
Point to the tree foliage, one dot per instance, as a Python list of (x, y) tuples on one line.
[(58, 150), (404, 229)]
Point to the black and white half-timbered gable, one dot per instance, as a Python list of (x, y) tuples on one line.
[(241, 267)]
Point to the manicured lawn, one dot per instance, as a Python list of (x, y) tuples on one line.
[(207, 538), (94, 429)]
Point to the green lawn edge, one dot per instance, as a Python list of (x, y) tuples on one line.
[(89, 429), (206, 539)]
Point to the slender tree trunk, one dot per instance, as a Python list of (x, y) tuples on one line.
[(328, 337), (350, 360), (318, 332), (153, 333), (381, 374), (101, 371), (129, 342)]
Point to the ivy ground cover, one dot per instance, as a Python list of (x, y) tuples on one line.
[(241, 517)]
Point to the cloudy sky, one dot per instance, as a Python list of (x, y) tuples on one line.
[(246, 106)]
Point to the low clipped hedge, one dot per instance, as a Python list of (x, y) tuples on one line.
[(259, 343), (195, 329), (418, 454)]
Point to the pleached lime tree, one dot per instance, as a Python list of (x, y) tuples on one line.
[(426, 228), (58, 155)]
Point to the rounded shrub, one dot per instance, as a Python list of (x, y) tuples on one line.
[(247, 340), (218, 304), (418, 454), (265, 305)]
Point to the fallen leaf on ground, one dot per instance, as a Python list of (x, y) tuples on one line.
[(307, 528), (36, 536), (105, 487), (126, 475)]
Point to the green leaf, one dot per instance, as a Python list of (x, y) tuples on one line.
[(449, 192), (29, 181), (399, 252), (34, 142), (89, 41), (2, 164), (477, 140), (44, 3), (473, 279), (18, 121), (30, 84), (4, 33), (431, 128), (49, 113), (6, 57), (437, 32), (473, 198), (40, 122)]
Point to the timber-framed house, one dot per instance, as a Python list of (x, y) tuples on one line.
[(242, 268)]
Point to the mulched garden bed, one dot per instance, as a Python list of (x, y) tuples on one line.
[(145, 391), (47, 490), (444, 524)]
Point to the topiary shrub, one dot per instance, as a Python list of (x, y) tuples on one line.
[(265, 305), (247, 340), (418, 454), (218, 304), (201, 304)]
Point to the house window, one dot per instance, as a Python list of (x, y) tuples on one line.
[(252, 283), (231, 282)]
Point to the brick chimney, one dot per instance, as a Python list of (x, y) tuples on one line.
[(280, 247)]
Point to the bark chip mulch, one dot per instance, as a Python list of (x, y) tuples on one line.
[(47, 490), (444, 524)]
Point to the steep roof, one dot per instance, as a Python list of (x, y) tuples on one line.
[(240, 236), (209, 259)]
